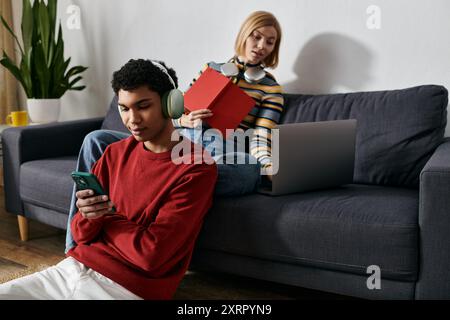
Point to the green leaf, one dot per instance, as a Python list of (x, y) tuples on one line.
[(78, 88), (11, 32), (15, 71), (42, 72), (66, 65), (58, 65), (9, 64), (74, 81), (52, 6), (54, 59), (75, 70), (58, 56), (44, 28), (26, 75), (27, 57), (60, 40), (27, 25), (35, 11), (51, 52)]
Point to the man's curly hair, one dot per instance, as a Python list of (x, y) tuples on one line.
[(140, 72)]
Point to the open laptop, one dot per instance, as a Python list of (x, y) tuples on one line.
[(312, 155)]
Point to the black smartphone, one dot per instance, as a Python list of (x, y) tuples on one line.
[(86, 181)]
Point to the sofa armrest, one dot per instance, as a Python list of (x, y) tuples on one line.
[(434, 226), (22, 144)]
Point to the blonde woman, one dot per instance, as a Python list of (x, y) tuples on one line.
[(257, 47)]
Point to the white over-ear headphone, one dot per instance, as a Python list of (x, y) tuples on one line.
[(252, 74)]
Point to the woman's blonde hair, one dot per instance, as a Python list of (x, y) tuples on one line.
[(255, 21)]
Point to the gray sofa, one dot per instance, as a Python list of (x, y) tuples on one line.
[(396, 214)]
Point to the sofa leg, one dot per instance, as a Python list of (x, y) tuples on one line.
[(23, 227)]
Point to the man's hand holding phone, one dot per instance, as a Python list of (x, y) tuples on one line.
[(93, 206), (93, 202)]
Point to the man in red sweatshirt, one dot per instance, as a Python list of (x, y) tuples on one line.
[(142, 249)]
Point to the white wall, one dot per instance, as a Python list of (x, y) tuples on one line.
[(327, 46)]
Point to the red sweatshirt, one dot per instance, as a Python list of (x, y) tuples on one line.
[(146, 246)]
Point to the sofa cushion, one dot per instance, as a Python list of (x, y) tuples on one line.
[(47, 183), (112, 119), (397, 130), (345, 229)]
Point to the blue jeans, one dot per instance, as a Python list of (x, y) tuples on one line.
[(238, 172)]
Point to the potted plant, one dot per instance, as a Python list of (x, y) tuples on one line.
[(43, 72)]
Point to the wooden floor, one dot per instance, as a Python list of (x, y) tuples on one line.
[(45, 247), (16, 257)]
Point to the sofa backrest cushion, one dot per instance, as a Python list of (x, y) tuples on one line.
[(112, 120), (397, 130)]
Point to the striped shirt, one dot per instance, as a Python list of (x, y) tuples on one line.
[(264, 116)]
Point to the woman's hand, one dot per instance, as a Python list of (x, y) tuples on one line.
[(194, 119)]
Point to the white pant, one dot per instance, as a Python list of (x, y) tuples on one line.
[(68, 280)]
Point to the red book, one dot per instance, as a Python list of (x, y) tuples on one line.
[(229, 103)]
